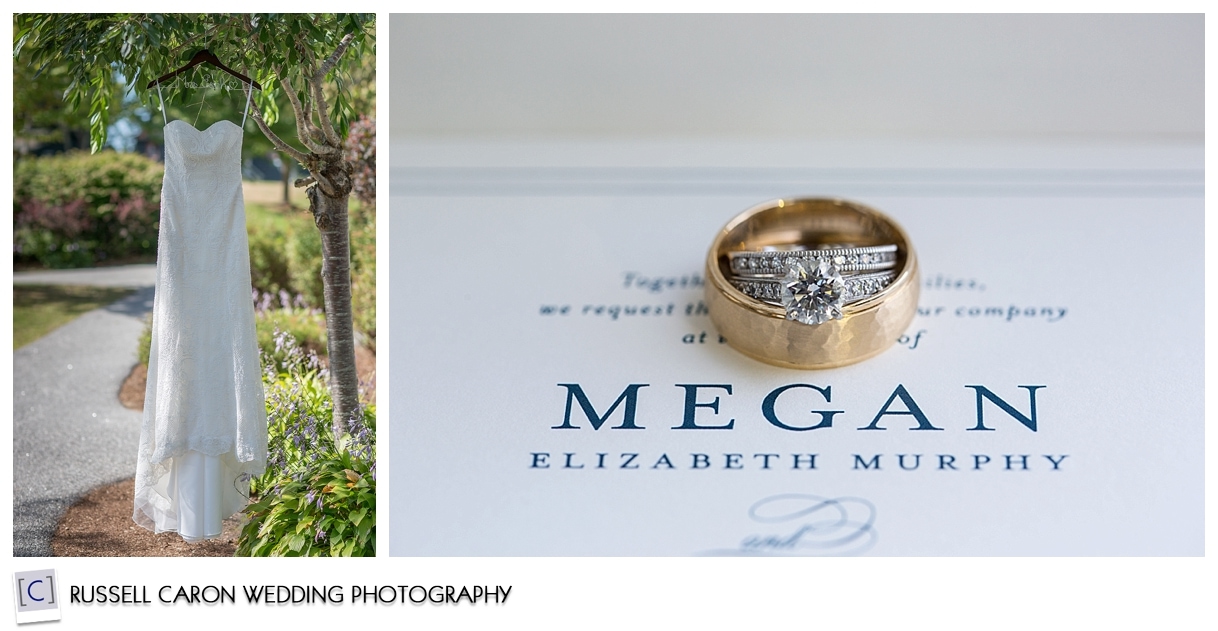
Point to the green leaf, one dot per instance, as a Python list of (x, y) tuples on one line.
[(297, 542)]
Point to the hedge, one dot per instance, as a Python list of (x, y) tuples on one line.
[(77, 209)]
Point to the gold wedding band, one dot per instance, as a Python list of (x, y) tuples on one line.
[(800, 310)]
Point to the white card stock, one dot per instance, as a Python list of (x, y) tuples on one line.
[(556, 387)]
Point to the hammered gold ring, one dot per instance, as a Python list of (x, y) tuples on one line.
[(804, 313)]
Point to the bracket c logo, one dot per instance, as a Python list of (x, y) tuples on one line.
[(37, 597)]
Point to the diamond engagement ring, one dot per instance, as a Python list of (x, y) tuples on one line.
[(813, 285), (814, 292), (811, 282)]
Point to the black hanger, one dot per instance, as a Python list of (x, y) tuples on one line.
[(204, 56)]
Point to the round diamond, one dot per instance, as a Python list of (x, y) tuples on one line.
[(813, 291)]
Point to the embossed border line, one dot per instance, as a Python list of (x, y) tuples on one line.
[(772, 181)]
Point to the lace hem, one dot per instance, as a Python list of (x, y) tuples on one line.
[(190, 494)]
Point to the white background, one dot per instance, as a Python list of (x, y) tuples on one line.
[(711, 593)]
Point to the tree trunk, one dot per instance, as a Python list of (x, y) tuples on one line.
[(329, 190), (330, 215)]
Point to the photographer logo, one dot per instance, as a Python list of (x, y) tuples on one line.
[(37, 597)]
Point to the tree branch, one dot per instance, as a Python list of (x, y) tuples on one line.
[(306, 112), (280, 145), (318, 100), (308, 109), (310, 62), (324, 183), (323, 116), (332, 60), (304, 127)]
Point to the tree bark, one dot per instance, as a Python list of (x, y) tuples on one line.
[(330, 215)]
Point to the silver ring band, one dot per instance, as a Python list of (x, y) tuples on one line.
[(775, 263)]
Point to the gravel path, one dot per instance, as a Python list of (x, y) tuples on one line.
[(70, 434)]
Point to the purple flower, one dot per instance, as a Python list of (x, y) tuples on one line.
[(262, 301)]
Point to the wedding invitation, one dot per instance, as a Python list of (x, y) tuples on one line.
[(557, 388)]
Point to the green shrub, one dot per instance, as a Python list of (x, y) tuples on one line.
[(304, 266), (270, 234), (269, 261), (306, 326), (285, 256), (328, 511), (360, 150), (145, 343), (318, 495), (75, 209)]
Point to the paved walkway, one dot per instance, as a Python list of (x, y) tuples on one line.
[(117, 276), (70, 434)]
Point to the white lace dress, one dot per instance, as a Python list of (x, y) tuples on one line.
[(204, 431)]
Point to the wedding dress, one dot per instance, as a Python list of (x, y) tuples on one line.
[(204, 432)]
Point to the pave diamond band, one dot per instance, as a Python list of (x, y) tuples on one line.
[(847, 259)]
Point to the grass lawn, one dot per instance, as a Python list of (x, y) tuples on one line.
[(276, 218), (271, 194), (264, 208), (40, 309)]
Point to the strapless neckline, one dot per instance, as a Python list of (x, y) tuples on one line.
[(205, 130)]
